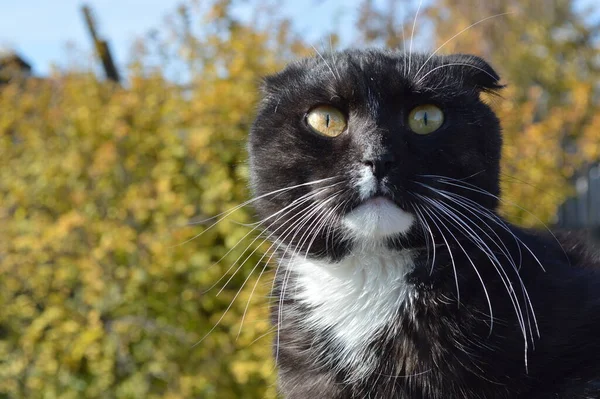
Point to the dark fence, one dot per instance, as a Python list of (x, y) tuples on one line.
[(583, 210)]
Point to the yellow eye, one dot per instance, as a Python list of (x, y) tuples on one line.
[(425, 119), (326, 120)]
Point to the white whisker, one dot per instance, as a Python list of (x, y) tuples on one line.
[(426, 225), (454, 64), (326, 63), (424, 209), (412, 37), (225, 214), (304, 215), (473, 237), (287, 209), (505, 251), (471, 187), (435, 211), (455, 36), (288, 269)]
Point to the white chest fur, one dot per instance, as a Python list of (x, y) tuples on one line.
[(353, 299)]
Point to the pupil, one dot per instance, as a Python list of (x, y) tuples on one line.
[(425, 118), (327, 120)]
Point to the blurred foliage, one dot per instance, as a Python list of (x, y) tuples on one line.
[(108, 291), (101, 294)]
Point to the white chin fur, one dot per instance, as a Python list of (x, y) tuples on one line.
[(377, 218)]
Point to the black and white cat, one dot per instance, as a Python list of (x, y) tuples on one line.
[(378, 174)]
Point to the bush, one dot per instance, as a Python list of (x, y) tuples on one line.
[(105, 289)]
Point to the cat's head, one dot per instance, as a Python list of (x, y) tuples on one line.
[(357, 146)]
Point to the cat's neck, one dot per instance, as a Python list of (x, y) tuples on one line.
[(354, 300)]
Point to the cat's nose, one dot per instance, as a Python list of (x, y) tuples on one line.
[(380, 164)]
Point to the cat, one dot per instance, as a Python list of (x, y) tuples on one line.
[(377, 175)]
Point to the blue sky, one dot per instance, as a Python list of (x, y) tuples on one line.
[(41, 29)]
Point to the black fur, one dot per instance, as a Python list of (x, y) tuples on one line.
[(444, 343)]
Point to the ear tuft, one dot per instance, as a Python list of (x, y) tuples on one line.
[(477, 73)]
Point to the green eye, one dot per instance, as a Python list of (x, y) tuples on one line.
[(425, 119), (326, 120)]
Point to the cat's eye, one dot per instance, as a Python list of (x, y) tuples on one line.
[(326, 120), (425, 119)]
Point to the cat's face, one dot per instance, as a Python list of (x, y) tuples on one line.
[(347, 149)]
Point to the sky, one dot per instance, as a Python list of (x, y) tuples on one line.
[(41, 30)]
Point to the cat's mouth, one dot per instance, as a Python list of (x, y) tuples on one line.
[(379, 197), (378, 201), (377, 216)]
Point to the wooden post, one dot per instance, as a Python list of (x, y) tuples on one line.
[(101, 46)]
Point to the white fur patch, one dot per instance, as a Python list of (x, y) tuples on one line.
[(367, 183), (353, 299), (377, 217)]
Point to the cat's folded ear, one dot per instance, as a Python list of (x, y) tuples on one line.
[(475, 72)]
